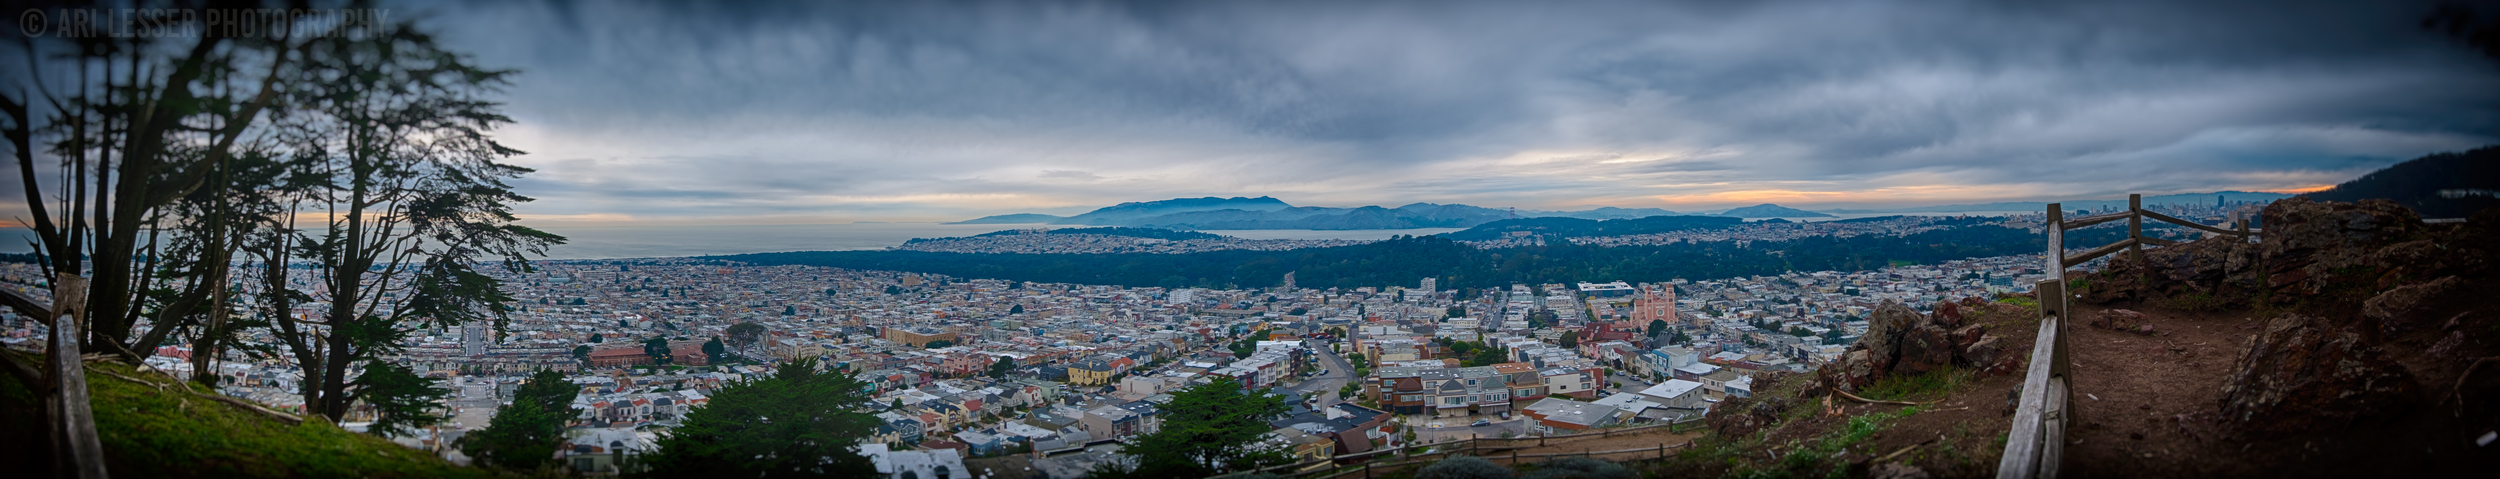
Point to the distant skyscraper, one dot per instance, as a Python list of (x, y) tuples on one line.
[(473, 338), (1429, 285)]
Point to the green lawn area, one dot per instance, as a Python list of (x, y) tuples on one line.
[(164, 433)]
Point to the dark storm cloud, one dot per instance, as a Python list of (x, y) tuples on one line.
[(939, 109)]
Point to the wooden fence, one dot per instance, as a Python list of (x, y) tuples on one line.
[(1388, 459), (2033, 449)]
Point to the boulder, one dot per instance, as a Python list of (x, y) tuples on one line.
[(1852, 372), (1986, 354), (2399, 309), (1883, 332), (1948, 314), (1926, 347), (1963, 337), (2304, 373), (2310, 247)]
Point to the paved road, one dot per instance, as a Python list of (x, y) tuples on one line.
[(1325, 386), (475, 404)]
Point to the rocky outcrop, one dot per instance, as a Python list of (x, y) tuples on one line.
[(1899, 340), (2402, 308), (2304, 373), (2307, 248)]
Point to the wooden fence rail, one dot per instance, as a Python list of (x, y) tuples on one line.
[(2035, 446)]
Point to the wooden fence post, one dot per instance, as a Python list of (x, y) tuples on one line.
[(2135, 230)]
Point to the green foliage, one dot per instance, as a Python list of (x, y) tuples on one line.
[(524, 434), (1298, 311), (657, 349), (404, 401), (582, 353), (1571, 339), (1018, 309), (1579, 468), (597, 338), (151, 432), (1004, 366), (1937, 382), (2022, 301), (1463, 467), (744, 335), (938, 344), (1210, 428), (790, 310), (797, 422), (1455, 312), (715, 352)]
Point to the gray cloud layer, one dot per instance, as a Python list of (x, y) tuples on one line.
[(830, 110)]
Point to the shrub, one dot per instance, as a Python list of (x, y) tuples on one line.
[(1579, 468), (1463, 467)]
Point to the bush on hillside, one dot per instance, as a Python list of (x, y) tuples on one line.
[(1463, 467)]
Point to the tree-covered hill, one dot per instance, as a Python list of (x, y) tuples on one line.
[(2443, 185)]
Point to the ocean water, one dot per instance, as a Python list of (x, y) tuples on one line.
[(655, 241)]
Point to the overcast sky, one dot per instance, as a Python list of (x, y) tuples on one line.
[(841, 111)]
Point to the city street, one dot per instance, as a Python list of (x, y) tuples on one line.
[(475, 402), (1325, 386)]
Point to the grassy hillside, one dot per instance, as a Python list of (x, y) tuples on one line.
[(148, 432)]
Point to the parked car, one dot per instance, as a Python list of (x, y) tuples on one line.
[(1482, 423)]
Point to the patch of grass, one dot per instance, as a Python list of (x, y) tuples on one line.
[(2020, 301), (1822, 454), (1899, 263), (1935, 382), (152, 433)]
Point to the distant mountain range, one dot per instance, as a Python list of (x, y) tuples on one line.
[(1266, 213), (1013, 219), (1767, 210)]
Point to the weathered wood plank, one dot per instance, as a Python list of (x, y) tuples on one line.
[(2097, 219), (2104, 250), (2053, 443), (2191, 224), (2023, 445), (76, 429)]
